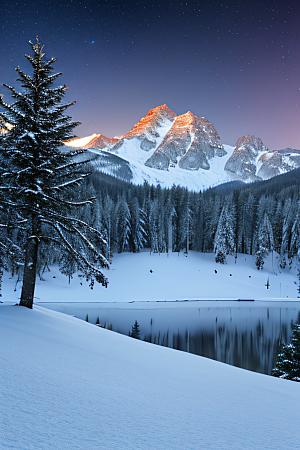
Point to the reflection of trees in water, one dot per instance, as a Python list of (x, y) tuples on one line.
[(254, 349)]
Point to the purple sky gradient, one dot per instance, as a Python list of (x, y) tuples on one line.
[(237, 63)]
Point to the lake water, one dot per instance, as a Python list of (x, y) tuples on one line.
[(241, 333)]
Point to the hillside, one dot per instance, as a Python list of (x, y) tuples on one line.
[(67, 384)]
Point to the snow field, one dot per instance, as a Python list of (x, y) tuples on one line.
[(67, 384), (173, 277)]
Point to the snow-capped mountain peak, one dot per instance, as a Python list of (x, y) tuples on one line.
[(184, 150), (92, 141)]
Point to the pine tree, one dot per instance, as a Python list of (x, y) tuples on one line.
[(37, 176), (107, 217), (122, 224), (284, 361), (137, 236), (289, 213), (212, 211), (295, 236), (135, 331), (264, 241), (288, 360), (245, 223), (225, 237)]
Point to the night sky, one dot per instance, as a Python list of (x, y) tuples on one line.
[(237, 63)]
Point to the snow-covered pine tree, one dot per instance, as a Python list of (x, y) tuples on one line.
[(137, 237), (245, 223), (289, 214), (288, 360), (225, 235), (185, 223), (199, 223), (154, 231), (264, 241), (36, 175), (122, 224), (107, 219), (168, 226), (212, 211), (284, 361), (295, 236)]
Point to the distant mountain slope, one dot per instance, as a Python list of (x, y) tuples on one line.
[(93, 141), (134, 170)]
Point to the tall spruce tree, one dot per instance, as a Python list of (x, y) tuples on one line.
[(224, 239), (264, 241), (37, 177)]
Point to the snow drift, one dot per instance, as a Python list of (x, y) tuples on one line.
[(67, 384)]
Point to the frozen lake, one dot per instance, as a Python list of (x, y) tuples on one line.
[(241, 333)]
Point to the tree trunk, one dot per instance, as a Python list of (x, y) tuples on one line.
[(29, 276)]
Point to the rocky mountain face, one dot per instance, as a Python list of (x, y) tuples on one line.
[(149, 129), (252, 160), (100, 141), (190, 143), (274, 163), (243, 162)]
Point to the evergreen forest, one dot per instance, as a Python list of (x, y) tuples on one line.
[(254, 219)]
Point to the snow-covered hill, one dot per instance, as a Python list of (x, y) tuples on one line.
[(67, 384)]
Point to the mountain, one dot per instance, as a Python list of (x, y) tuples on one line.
[(166, 149), (278, 161), (190, 142), (150, 130), (252, 160), (243, 162), (94, 141)]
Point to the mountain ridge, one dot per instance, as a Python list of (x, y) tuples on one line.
[(164, 148)]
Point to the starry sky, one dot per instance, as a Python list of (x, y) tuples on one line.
[(237, 63)]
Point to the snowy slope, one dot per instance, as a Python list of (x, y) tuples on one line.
[(81, 142), (67, 384), (192, 180)]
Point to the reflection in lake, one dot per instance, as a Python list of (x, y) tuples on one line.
[(243, 334), (243, 337)]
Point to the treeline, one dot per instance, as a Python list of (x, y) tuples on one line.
[(253, 219)]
